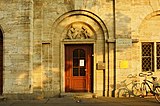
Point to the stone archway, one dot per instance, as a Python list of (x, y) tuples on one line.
[(149, 28), (87, 28), (88, 18)]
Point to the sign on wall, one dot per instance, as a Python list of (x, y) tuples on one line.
[(123, 64), (122, 43)]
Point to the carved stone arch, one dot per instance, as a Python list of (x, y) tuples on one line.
[(149, 27), (88, 18), (155, 13)]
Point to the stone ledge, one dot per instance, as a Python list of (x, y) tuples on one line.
[(114, 40)]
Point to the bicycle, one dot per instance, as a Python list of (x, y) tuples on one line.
[(146, 86), (125, 91)]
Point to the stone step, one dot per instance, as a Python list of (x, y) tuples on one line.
[(2, 98), (79, 95)]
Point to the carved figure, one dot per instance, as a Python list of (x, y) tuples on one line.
[(70, 32), (77, 33), (85, 33)]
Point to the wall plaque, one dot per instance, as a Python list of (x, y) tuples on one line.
[(123, 43)]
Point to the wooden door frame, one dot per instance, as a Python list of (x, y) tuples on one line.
[(62, 63), (89, 75)]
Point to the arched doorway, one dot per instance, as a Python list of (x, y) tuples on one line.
[(1, 62), (71, 30)]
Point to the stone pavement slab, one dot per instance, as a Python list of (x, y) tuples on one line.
[(102, 101)]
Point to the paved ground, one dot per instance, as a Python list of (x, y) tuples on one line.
[(103, 101)]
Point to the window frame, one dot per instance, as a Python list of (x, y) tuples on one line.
[(154, 63), (151, 56), (157, 55)]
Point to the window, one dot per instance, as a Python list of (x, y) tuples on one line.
[(150, 56), (158, 55), (79, 61)]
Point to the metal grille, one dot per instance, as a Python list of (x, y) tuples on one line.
[(147, 56), (158, 55)]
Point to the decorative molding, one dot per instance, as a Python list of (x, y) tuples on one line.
[(135, 40), (114, 40), (46, 41)]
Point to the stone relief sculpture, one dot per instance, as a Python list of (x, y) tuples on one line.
[(77, 33), (85, 32)]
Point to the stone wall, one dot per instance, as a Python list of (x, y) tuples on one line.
[(135, 19), (16, 25), (48, 39), (34, 33)]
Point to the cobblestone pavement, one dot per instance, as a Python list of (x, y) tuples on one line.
[(102, 101)]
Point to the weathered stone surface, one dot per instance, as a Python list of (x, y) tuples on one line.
[(34, 37)]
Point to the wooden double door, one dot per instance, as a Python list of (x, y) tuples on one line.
[(78, 68)]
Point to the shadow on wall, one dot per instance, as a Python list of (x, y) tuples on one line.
[(129, 87)]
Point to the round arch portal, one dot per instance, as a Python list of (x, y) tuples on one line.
[(80, 21), (88, 18)]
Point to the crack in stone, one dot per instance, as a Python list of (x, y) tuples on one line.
[(151, 5)]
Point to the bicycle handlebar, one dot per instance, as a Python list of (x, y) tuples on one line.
[(131, 76), (147, 74)]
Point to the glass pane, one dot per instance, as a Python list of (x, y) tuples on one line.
[(75, 62), (158, 55), (158, 62), (158, 49), (147, 49), (75, 53), (82, 72), (82, 53), (147, 56), (146, 64), (75, 71)]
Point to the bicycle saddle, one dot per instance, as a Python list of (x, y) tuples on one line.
[(154, 78)]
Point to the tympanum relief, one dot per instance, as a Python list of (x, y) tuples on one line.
[(79, 32)]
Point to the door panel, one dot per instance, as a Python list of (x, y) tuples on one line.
[(78, 68)]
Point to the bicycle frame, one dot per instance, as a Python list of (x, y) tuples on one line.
[(155, 90), (127, 92), (147, 82)]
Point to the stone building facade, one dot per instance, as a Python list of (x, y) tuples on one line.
[(50, 47)]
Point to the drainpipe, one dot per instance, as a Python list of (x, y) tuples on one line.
[(104, 70), (114, 33), (108, 71)]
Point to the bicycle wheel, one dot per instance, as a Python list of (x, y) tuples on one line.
[(136, 90), (143, 90), (157, 95), (123, 92)]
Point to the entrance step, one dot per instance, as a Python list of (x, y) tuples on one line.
[(79, 95), (2, 98)]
